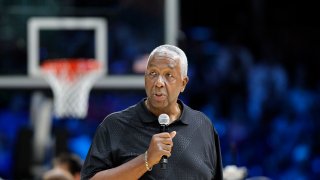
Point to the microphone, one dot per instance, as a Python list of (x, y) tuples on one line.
[(163, 120)]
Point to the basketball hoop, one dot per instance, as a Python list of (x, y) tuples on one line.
[(71, 81)]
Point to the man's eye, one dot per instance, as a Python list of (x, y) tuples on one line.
[(169, 75), (153, 74)]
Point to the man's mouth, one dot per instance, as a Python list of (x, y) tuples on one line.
[(158, 94)]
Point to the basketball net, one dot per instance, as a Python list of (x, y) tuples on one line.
[(71, 81)]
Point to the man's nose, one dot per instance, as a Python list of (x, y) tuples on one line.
[(160, 81)]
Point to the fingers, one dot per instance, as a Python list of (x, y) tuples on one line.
[(166, 138), (161, 145), (163, 135), (173, 134), (165, 142), (167, 148), (168, 135)]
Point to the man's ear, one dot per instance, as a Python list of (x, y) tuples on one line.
[(184, 83)]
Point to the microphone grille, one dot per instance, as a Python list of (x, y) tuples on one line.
[(163, 119)]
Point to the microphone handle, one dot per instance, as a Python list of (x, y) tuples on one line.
[(163, 162), (163, 128), (164, 159)]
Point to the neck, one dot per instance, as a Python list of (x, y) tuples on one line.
[(173, 113)]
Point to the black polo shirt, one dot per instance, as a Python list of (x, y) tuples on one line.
[(125, 135)]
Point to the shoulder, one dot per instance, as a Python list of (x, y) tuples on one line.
[(124, 116), (199, 119), (196, 115)]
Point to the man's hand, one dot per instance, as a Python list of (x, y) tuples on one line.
[(160, 145)]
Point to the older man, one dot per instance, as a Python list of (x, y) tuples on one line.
[(128, 145)]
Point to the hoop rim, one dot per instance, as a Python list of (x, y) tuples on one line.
[(70, 68), (72, 65), (88, 63)]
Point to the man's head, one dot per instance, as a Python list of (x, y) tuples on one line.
[(69, 162), (165, 77), (173, 51), (57, 174)]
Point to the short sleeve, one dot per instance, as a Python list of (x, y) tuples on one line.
[(99, 155), (219, 166)]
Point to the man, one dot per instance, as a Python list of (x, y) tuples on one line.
[(57, 174), (65, 165), (128, 145)]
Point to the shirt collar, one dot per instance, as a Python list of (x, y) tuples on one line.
[(148, 117)]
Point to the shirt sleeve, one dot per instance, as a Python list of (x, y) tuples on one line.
[(99, 155), (219, 166)]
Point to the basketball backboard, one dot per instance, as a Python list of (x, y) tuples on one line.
[(111, 33), (36, 24)]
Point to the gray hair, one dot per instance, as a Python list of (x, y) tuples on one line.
[(182, 56)]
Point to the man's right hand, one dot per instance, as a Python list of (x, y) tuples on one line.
[(160, 145)]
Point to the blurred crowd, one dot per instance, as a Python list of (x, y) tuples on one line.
[(266, 114)]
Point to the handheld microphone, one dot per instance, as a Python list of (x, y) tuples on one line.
[(163, 120)]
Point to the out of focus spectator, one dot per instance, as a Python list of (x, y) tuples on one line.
[(64, 165), (57, 174)]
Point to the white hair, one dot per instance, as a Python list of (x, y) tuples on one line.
[(174, 49)]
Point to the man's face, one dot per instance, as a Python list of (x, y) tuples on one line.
[(163, 81)]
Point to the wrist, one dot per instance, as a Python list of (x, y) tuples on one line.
[(147, 165)]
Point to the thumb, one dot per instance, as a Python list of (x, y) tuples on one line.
[(173, 134)]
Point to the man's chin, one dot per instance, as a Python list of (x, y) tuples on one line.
[(158, 104)]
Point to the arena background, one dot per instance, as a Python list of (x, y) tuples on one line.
[(253, 68)]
